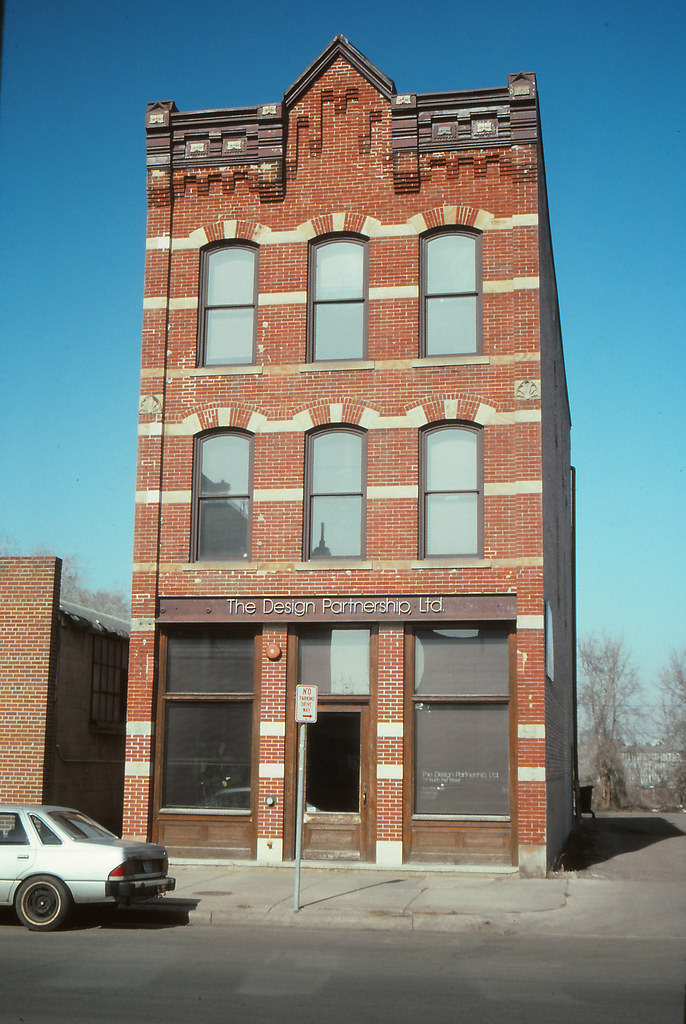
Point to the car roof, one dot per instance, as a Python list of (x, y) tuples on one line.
[(10, 808)]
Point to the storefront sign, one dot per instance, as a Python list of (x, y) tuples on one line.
[(341, 608)]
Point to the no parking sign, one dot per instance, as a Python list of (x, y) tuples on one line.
[(305, 703)]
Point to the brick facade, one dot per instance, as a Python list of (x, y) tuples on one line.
[(344, 155)]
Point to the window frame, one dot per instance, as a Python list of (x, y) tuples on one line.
[(309, 539), (204, 307), (313, 302), (504, 699), (109, 675), (208, 698), (197, 498), (424, 492), (424, 295)]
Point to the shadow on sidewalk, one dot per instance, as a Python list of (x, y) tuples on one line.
[(349, 892), (594, 841)]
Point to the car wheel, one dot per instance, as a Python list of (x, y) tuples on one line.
[(42, 903)]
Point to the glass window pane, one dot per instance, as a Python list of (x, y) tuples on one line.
[(451, 525), (461, 662), (339, 270), (339, 330), (207, 755), (225, 465), (451, 325), (231, 277), (336, 527), (229, 337), (451, 460), (462, 759), (223, 528), (209, 663), (335, 660), (336, 463), (451, 263)]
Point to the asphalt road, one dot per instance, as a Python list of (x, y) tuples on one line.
[(110, 972)]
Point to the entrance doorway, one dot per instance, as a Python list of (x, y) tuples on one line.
[(336, 823), (340, 750)]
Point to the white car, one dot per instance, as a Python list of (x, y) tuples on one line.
[(52, 857)]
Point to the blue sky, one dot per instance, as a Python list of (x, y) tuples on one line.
[(76, 80)]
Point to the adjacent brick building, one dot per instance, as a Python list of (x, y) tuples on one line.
[(62, 695), (353, 472)]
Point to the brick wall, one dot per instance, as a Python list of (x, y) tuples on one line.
[(29, 597)]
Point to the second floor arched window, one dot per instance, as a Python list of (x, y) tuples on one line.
[(451, 511), (222, 496), (335, 494)]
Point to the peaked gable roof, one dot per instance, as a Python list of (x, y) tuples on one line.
[(339, 47)]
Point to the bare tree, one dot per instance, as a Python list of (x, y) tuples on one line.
[(673, 685), (608, 709), (73, 588)]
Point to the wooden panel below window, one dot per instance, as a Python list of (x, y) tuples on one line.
[(205, 836), (465, 842), (326, 838)]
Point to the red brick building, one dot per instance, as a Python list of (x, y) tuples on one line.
[(62, 694), (353, 472)]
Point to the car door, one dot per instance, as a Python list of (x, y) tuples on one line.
[(17, 853)]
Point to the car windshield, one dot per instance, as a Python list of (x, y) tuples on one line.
[(78, 826)]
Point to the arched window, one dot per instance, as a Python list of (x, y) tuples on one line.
[(222, 496), (335, 494), (451, 512), (337, 299), (228, 300), (451, 293)]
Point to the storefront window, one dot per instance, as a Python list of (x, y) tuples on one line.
[(461, 713), (209, 722)]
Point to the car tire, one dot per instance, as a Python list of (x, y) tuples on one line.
[(42, 903)]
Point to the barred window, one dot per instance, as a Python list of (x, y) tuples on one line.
[(108, 682)]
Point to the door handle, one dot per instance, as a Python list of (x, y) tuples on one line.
[(364, 796), (22, 856)]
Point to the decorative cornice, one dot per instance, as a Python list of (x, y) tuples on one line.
[(250, 142)]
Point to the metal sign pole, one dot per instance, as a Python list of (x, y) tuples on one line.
[(299, 814)]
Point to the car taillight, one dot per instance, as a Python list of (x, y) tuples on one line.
[(127, 868)]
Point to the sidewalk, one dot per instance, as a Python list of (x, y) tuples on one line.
[(228, 895)]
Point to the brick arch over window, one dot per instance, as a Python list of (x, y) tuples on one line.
[(227, 230), (451, 216), (336, 413), (219, 417), (343, 222), (466, 408)]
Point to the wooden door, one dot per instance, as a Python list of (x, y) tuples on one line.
[(338, 802)]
